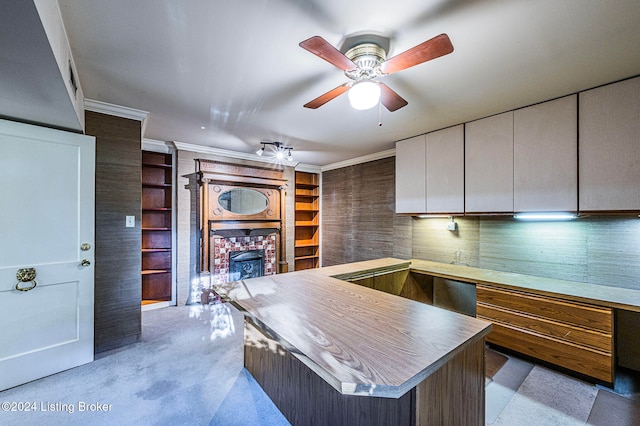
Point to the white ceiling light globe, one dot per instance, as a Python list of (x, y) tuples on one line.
[(364, 95)]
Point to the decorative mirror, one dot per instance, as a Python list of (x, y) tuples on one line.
[(243, 201)]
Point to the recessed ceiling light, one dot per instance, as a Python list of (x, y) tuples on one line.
[(202, 127)]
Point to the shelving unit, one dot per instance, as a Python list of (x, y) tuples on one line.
[(156, 226), (307, 221)]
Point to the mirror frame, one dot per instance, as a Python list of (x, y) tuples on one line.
[(217, 212), (257, 197)]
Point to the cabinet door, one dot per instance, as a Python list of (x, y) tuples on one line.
[(411, 176), (445, 170), (609, 159), (545, 150), (488, 157)]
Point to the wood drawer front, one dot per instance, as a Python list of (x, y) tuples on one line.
[(580, 336), (583, 315), (583, 360)]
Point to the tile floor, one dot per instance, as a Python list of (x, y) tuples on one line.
[(522, 393)]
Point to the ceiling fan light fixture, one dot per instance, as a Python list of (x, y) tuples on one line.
[(364, 95), (365, 60)]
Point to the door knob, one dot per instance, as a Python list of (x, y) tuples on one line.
[(26, 275), (85, 262)]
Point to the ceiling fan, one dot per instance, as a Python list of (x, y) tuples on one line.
[(364, 63)]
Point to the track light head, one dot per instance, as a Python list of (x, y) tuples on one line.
[(281, 151)]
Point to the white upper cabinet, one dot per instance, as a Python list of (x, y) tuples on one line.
[(445, 170), (411, 175), (488, 158), (430, 173), (545, 156), (609, 159)]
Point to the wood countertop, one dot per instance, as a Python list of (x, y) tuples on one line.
[(613, 297), (359, 340)]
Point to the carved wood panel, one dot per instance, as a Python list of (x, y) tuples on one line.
[(217, 178), (218, 211)]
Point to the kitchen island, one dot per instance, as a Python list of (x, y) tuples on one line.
[(327, 351)]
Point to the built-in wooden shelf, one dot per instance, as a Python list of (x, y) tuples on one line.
[(158, 165), (157, 188), (306, 257), (301, 223), (155, 271), (156, 185), (307, 223)]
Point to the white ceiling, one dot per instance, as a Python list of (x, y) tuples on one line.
[(235, 66)]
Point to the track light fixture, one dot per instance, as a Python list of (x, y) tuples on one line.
[(281, 151)]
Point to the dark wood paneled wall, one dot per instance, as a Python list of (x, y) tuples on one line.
[(358, 214), (117, 248)]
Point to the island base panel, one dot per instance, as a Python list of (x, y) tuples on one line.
[(454, 394)]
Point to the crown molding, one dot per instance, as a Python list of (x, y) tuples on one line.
[(309, 168), (298, 166), (117, 111), (226, 153), (359, 160), (157, 146)]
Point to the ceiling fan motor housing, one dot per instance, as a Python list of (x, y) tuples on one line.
[(367, 57)]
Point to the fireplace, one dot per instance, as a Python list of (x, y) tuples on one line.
[(224, 249), (246, 264)]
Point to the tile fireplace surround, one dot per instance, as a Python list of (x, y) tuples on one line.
[(222, 246)]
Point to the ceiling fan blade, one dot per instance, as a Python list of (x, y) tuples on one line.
[(390, 99), (322, 48), (331, 94), (431, 49)]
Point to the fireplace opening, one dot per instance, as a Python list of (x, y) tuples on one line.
[(246, 264)]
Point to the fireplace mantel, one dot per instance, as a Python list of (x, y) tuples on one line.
[(217, 178)]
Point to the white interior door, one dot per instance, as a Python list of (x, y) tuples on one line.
[(47, 191)]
